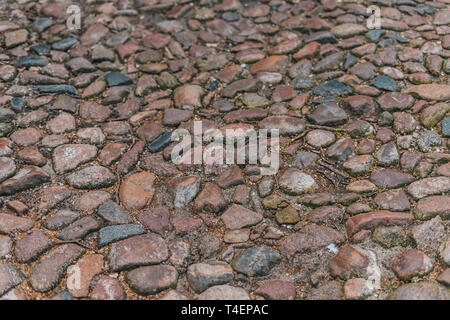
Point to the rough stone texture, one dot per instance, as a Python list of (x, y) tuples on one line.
[(89, 120)]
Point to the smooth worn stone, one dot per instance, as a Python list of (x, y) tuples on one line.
[(376, 218), (224, 292), (188, 95), (360, 104), (328, 114), (32, 246), (62, 123), (161, 142), (70, 156), (411, 263), (65, 44), (438, 92), (390, 178), (395, 200), (117, 79), (112, 213), (137, 190), (237, 217), (348, 29), (27, 178), (61, 219), (230, 177), (79, 229), (287, 216), (384, 83), (91, 200), (58, 88), (320, 138), (444, 277), (31, 61), (285, 124), (305, 159), (328, 215), (359, 165), (93, 177), (137, 251), (156, 220), (201, 276), (26, 137), (276, 290), (47, 273), (152, 279), (10, 277), (119, 232), (256, 261), (333, 87)]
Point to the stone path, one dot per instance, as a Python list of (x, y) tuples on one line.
[(92, 207)]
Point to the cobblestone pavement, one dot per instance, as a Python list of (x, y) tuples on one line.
[(92, 207)]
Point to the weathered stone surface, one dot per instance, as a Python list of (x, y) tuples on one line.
[(93, 177), (10, 223), (433, 206), (423, 290), (10, 277), (137, 251), (79, 229), (439, 92), (375, 218), (49, 270), (237, 217), (107, 288), (411, 263), (80, 274), (184, 189), (429, 186), (256, 261), (276, 290), (69, 156), (31, 246), (286, 125), (201, 276), (152, 279), (224, 292), (349, 262), (112, 213), (310, 238), (293, 181), (28, 177)]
